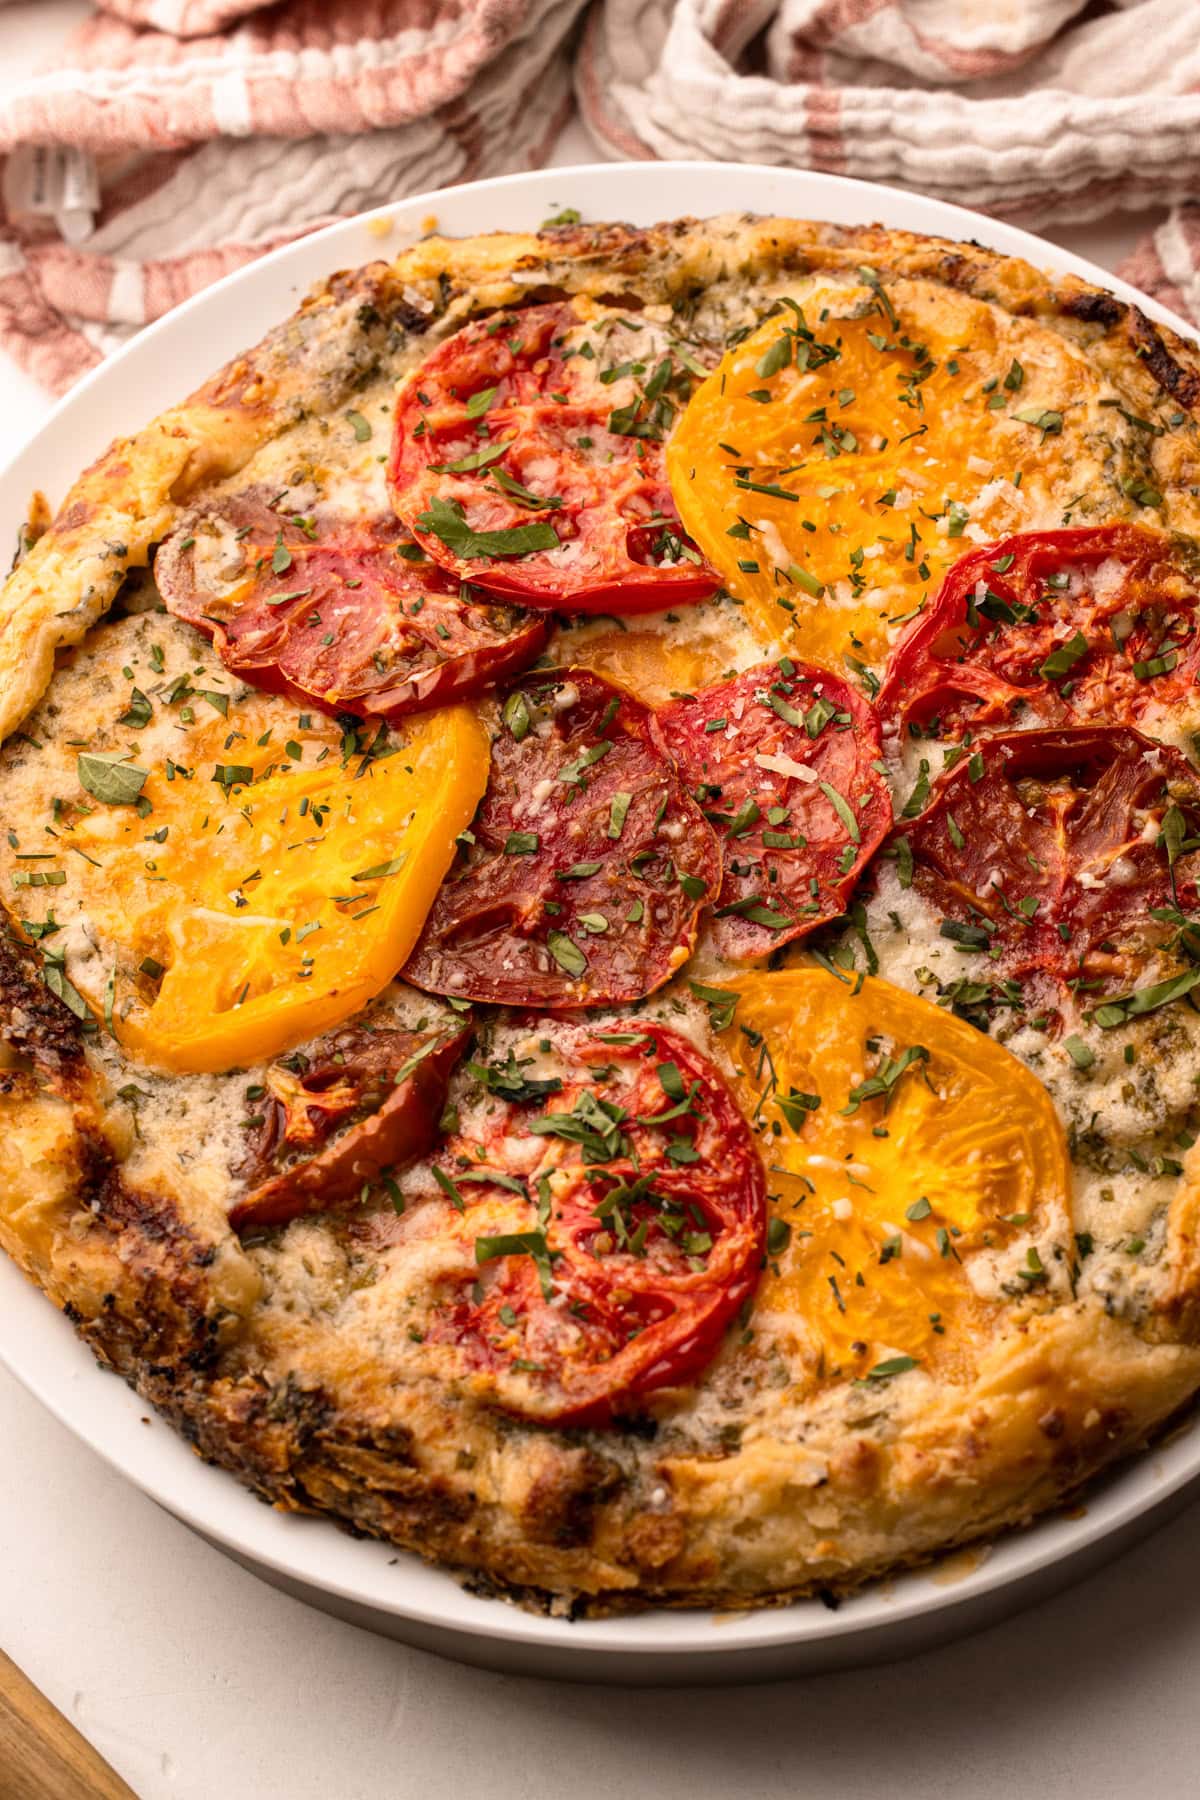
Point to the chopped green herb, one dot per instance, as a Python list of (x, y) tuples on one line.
[(445, 518), (109, 779), (566, 953)]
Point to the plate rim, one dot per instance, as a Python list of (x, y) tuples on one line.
[(65, 1383)]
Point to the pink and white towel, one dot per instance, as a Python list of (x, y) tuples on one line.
[(1038, 111), (187, 156), (173, 140)]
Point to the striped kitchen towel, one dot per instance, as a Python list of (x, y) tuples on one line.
[(1038, 111), (173, 140), (145, 163)]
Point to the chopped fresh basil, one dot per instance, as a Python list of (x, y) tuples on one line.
[(475, 459), (1145, 1000), (139, 711), (1061, 661), (882, 1085), (795, 1106), (109, 779), (446, 520), (379, 871), (566, 953), (895, 1365)]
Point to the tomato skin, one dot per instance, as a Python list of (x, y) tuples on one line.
[(403, 638), (971, 675), (1079, 802), (615, 498), (625, 908), (631, 1322), (840, 754), (349, 1110)]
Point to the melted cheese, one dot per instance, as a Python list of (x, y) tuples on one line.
[(659, 655)]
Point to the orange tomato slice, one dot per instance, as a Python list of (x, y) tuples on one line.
[(279, 903), (887, 1188), (843, 460)]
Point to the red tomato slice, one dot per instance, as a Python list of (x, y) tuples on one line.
[(780, 759), (361, 1105), (1062, 627), (589, 863), (509, 427), (1045, 851), (608, 1261), (328, 612)]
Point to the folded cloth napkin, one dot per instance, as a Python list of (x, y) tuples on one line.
[(146, 163), (1038, 111), (174, 140)]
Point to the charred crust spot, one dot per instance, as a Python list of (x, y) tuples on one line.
[(1094, 307), (345, 283), (639, 1425), (543, 295), (561, 1503), (384, 303), (32, 1019), (609, 244), (956, 271), (411, 319), (1182, 384), (159, 1325), (302, 1406), (1114, 1421), (1052, 1422)]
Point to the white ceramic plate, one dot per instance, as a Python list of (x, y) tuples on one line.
[(370, 1582)]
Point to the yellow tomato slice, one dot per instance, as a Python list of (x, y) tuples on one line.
[(277, 906), (872, 427), (889, 1196)]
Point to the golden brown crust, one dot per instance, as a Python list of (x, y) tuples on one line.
[(172, 1302)]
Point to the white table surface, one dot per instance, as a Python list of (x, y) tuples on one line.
[(199, 1682)]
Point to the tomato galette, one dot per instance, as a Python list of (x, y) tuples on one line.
[(602, 868)]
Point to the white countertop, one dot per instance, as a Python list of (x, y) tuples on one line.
[(199, 1682)]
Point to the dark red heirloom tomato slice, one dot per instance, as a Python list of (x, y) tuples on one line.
[(589, 863), (362, 1104), (522, 461), (623, 1231), (1093, 625), (328, 611), (780, 759), (1050, 848)]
